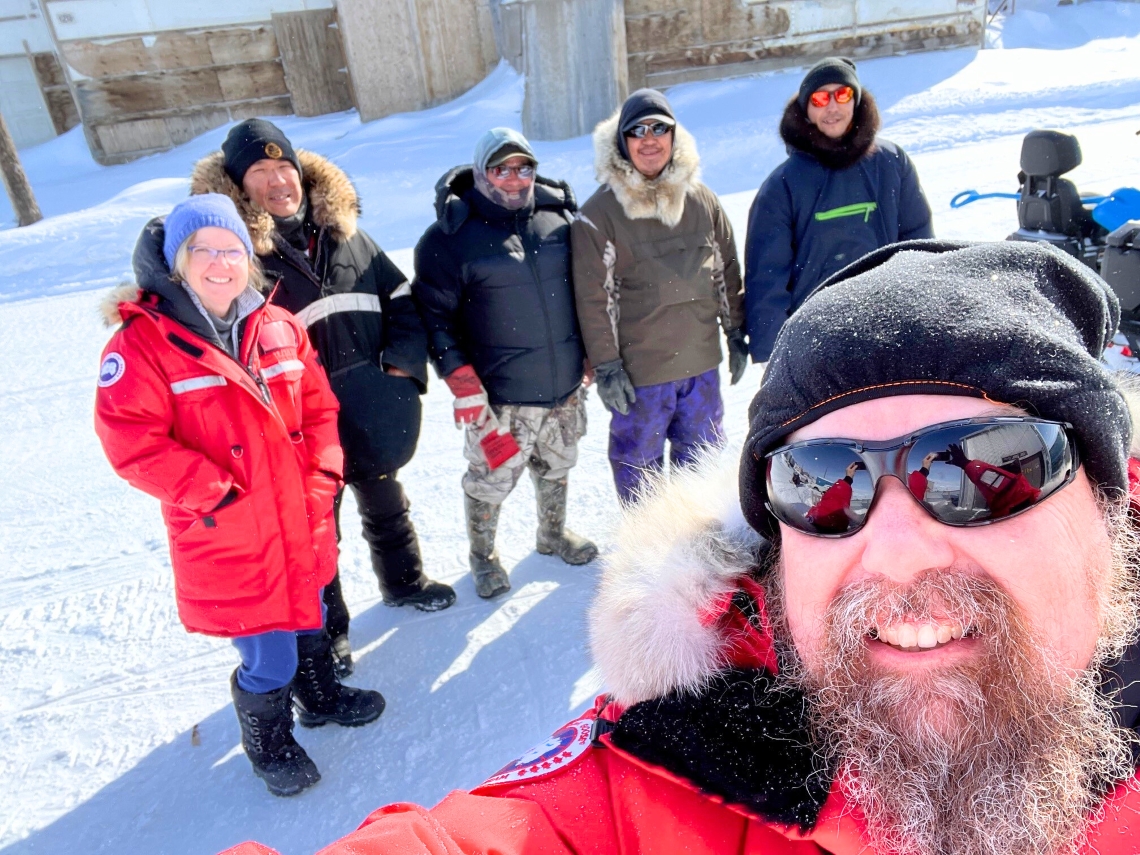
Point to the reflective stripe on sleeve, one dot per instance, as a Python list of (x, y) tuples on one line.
[(281, 367), (181, 387), (330, 305)]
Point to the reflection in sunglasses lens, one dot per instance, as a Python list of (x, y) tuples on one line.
[(963, 474), (824, 488)]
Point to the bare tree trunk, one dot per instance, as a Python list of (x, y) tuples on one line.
[(16, 182)]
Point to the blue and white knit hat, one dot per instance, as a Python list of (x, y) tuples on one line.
[(198, 212)]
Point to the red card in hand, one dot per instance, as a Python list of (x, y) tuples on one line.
[(498, 447)]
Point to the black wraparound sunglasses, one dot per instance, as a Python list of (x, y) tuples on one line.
[(657, 129), (963, 473)]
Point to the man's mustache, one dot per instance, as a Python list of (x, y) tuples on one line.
[(965, 598)]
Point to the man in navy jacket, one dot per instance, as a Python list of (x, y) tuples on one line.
[(840, 194)]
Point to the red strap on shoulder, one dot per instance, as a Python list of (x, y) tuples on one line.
[(1134, 484)]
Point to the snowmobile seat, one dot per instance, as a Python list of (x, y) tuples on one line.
[(1050, 203), (1121, 267)]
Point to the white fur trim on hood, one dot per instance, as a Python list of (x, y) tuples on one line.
[(661, 198), (679, 550)]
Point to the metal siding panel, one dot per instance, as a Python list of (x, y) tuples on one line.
[(13, 34), (22, 103), (871, 12), (819, 16)]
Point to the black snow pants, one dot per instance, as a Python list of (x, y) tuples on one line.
[(392, 542)]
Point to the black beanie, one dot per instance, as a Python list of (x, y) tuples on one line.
[(639, 106), (254, 140), (1019, 323), (834, 69)]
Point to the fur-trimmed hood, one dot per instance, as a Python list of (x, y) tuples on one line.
[(681, 553), (801, 135), (109, 306), (333, 203), (154, 286), (661, 198)]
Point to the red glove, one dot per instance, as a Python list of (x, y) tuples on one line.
[(471, 404)]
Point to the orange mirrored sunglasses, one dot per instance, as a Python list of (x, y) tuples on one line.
[(842, 95)]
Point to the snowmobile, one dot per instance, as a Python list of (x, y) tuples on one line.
[(1101, 231)]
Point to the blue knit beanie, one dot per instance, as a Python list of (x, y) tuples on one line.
[(198, 212)]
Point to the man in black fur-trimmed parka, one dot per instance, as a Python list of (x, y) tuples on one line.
[(301, 211), (841, 193)]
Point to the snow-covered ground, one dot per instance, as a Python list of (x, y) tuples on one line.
[(116, 729)]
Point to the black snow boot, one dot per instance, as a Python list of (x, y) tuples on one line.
[(318, 694), (425, 595), (266, 723)]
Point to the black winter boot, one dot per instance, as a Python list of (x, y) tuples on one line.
[(266, 723), (425, 595), (318, 694), (394, 547)]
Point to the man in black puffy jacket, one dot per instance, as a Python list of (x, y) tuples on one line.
[(301, 211), (841, 193), (494, 288)]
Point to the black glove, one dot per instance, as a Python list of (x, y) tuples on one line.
[(737, 355), (614, 386), (957, 456)]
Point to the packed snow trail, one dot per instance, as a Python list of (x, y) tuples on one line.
[(117, 727)]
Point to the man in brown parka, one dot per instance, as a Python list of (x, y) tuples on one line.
[(655, 275)]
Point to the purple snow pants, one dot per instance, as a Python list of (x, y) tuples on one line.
[(689, 413)]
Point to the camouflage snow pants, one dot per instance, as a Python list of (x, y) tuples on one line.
[(548, 438)]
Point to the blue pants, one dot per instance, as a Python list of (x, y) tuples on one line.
[(688, 413), (269, 659)]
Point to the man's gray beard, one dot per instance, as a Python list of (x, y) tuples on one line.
[(1007, 753)]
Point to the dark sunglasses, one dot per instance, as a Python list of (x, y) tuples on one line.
[(658, 129), (821, 97), (963, 473), (504, 172)]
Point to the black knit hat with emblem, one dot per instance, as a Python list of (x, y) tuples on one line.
[(254, 140), (1016, 323)]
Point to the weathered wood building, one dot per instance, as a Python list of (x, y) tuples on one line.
[(146, 75)]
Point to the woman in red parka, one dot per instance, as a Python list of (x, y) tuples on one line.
[(212, 401)]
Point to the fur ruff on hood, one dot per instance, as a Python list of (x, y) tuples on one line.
[(680, 551), (800, 134), (109, 310), (661, 198), (333, 203)]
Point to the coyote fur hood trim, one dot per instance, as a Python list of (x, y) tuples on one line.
[(661, 198), (680, 550), (333, 203), (128, 292)]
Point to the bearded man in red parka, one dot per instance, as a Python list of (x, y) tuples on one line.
[(944, 676)]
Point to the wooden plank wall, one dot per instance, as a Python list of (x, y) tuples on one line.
[(313, 59), (147, 93), (61, 106), (675, 41)]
